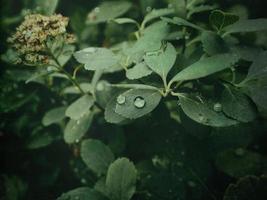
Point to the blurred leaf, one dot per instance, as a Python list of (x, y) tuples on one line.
[(54, 115), (82, 193), (239, 162), (135, 103), (80, 107), (108, 10), (75, 129), (47, 7), (248, 187), (121, 179), (39, 140), (125, 21), (15, 188), (156, 13), (182, 22), (96, 155)]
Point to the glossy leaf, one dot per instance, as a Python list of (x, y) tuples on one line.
[(138, 102), (161, 61), (96, 155), (76, 129), (80, 107), (121, 179), (203, 114), (206, 67)]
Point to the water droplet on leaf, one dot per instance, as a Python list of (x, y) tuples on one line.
[(217, 107), (121, 99), (139, 102)]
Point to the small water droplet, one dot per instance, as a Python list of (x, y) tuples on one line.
[(121, 99), (97, 10), (139, 102), (186, 37), (202, 118), (191, 183), (217, 107), (148, 9), (83, 181), (240, 152)]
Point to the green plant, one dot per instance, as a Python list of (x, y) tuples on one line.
[(179, 74)]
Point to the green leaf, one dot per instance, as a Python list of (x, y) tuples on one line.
[(138, 71), (47, 7), (203, 113), (121, 179), (86, 87), (249, 25), (80, 107), (220, 19), (161, 61), (39, 140), (96, 155), (66, 54), (206, 67), (258, 69), (239, 162), (96, 58), (213, 44), (248, 187), (138, 102), (110, 115), (75, 129), (238, 106), (54, 115), (246, 52), (199, 9), (156, 13), (181, 22), (82, 193), (108, 11), (125, 21)]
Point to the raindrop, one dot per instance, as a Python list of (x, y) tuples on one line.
[(202, 118), (148, 9), (139, 102), (121, 99), (186, 37), (83, 181), (240, 152), (217, 107)]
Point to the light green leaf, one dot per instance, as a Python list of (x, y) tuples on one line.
[(203, 113), (96, 58), (39, 140), (206, 66), (96, 155), (108, 11), (54, 115), (75, 129), (220, 19), (47, 7), (138, 71), (237, 106), (80, 107), (249, 25), (181, 22), (125, 21), (82, 193), (239, 162), (156, 13), (135, 103), (161, 61), (213, 44), (121, 179)]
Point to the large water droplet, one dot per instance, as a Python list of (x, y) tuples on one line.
[(121, 99), (139, 102), (217, 107)]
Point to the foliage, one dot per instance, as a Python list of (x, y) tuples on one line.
[(114, 100)]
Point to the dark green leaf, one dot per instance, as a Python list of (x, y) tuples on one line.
[(54, 115), (220, 19)]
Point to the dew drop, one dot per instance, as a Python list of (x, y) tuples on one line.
[(240, 152), (78, 122), (121, 99), (139, 102), (83, 181), (217, 107), (148, 9)]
